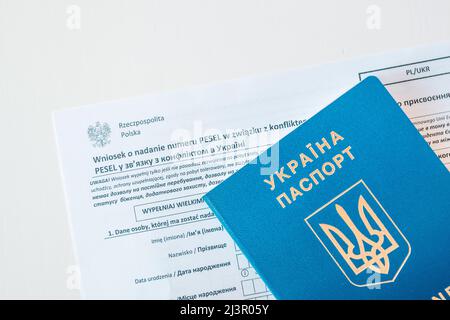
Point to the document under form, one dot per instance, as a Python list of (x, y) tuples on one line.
[(134, 170)]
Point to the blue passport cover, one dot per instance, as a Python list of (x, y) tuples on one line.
[(356, 206)]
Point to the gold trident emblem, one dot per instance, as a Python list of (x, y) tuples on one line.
[(370, 254)]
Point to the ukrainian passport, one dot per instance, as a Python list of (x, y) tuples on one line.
[(354, 204)]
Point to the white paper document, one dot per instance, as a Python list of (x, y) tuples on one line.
[(134, 170)]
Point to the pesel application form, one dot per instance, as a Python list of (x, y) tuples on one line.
[(134, 170)]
